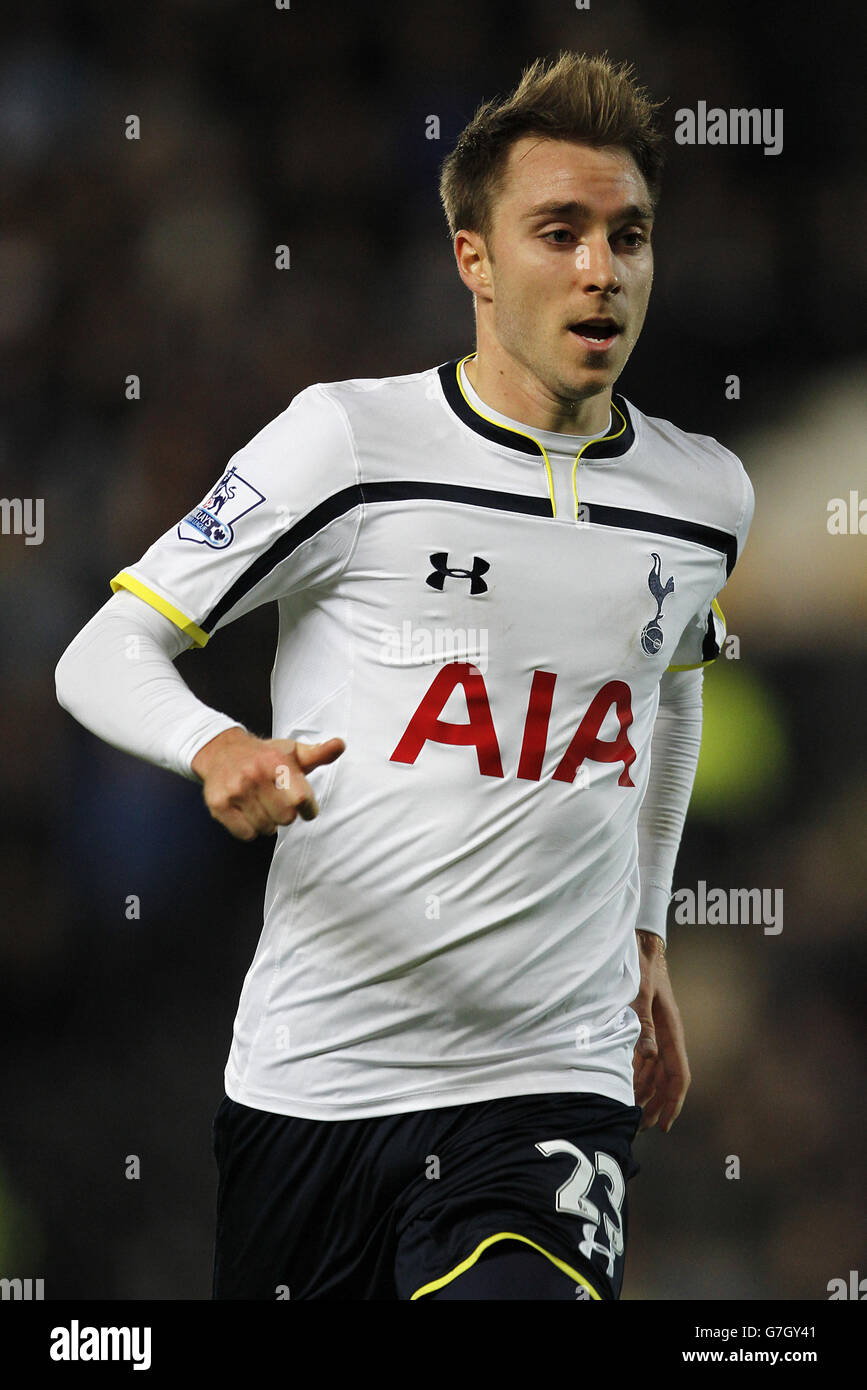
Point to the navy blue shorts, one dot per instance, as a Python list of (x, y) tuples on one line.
[(401, 1206)]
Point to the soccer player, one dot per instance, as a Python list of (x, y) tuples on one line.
[(497, 585)]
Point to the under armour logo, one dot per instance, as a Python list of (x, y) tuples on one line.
[(440, 562)]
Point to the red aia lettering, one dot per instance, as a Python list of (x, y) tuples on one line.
[(536, 725), (586, 744), (426, 725)]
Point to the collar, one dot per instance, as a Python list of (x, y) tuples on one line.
[(610, 446)]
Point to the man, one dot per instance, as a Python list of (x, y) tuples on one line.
[(497, 587)]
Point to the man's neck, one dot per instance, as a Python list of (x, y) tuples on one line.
[(521, 397)]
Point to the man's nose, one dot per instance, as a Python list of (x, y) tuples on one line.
[(595, 262)]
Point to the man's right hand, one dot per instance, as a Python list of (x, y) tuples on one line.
[(251, 785)]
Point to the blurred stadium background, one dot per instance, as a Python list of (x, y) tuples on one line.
[(156, 257)]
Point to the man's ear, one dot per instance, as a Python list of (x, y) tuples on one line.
[(472, 261)]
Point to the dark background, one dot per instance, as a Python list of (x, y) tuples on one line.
[(156, 257)]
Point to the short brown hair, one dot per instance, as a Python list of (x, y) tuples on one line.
[(571, 97)]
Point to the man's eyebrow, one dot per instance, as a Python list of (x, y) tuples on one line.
[(632, 213)]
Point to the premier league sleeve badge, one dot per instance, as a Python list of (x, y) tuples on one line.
[(212, 522)]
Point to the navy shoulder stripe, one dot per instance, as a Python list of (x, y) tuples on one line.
[(399, 490)]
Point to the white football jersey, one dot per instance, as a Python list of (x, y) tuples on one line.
[(483, 612)]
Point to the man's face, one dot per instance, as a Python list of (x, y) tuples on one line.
[(570, 241)]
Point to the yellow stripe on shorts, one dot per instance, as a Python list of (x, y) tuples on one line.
[(505, 1235)]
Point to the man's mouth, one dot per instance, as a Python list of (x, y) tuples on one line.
[(596, 333)]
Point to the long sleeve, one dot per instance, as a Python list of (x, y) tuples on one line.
[(673, 758), (117, 678)]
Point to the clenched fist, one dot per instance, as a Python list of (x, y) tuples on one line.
[(252, 785)]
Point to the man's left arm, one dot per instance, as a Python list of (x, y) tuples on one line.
[(660, 1066)]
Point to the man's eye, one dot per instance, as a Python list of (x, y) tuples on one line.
[(634, 239), (559, 231)]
